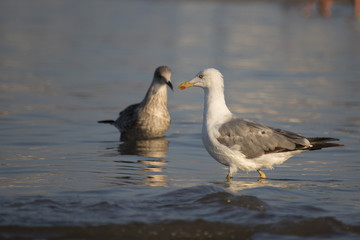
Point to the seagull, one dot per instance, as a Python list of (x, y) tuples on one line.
[(242, 144), (149, 118)]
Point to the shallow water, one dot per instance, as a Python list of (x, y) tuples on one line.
[(65, 65)]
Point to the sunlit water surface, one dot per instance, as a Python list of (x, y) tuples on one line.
[(66, 64)]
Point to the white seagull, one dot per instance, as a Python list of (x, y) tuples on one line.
[(150, 118), (242, 144)]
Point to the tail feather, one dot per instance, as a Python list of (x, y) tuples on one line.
[(323, 142), (107, 121)]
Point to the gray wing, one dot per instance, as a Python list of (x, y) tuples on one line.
[(128, 117), (254, 139)]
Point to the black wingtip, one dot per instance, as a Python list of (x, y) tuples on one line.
[(318, 146), (323, 142), (107, 121)]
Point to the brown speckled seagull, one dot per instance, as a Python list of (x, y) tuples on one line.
[(149, 118)]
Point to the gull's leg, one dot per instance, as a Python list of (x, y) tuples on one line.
[(232, 170), (262, 175)]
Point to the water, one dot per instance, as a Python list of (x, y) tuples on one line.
[(65, 65)]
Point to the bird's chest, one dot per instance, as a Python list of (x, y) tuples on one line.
[(157, 120), (212, 145)]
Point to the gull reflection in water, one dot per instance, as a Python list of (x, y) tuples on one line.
[(238, 186), (155, 148), (144, 171)]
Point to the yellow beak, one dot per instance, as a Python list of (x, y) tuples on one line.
[(185, 85)]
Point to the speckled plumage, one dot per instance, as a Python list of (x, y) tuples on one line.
[(149, 118)]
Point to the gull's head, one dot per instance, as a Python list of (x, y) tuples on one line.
[(162, 75), (206, 79)]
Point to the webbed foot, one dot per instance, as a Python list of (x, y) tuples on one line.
[(262, 174), (229, 177)]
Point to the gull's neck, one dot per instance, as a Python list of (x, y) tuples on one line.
[(215, 109), (156, 97)]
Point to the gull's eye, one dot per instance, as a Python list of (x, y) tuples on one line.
[(201, 76)]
